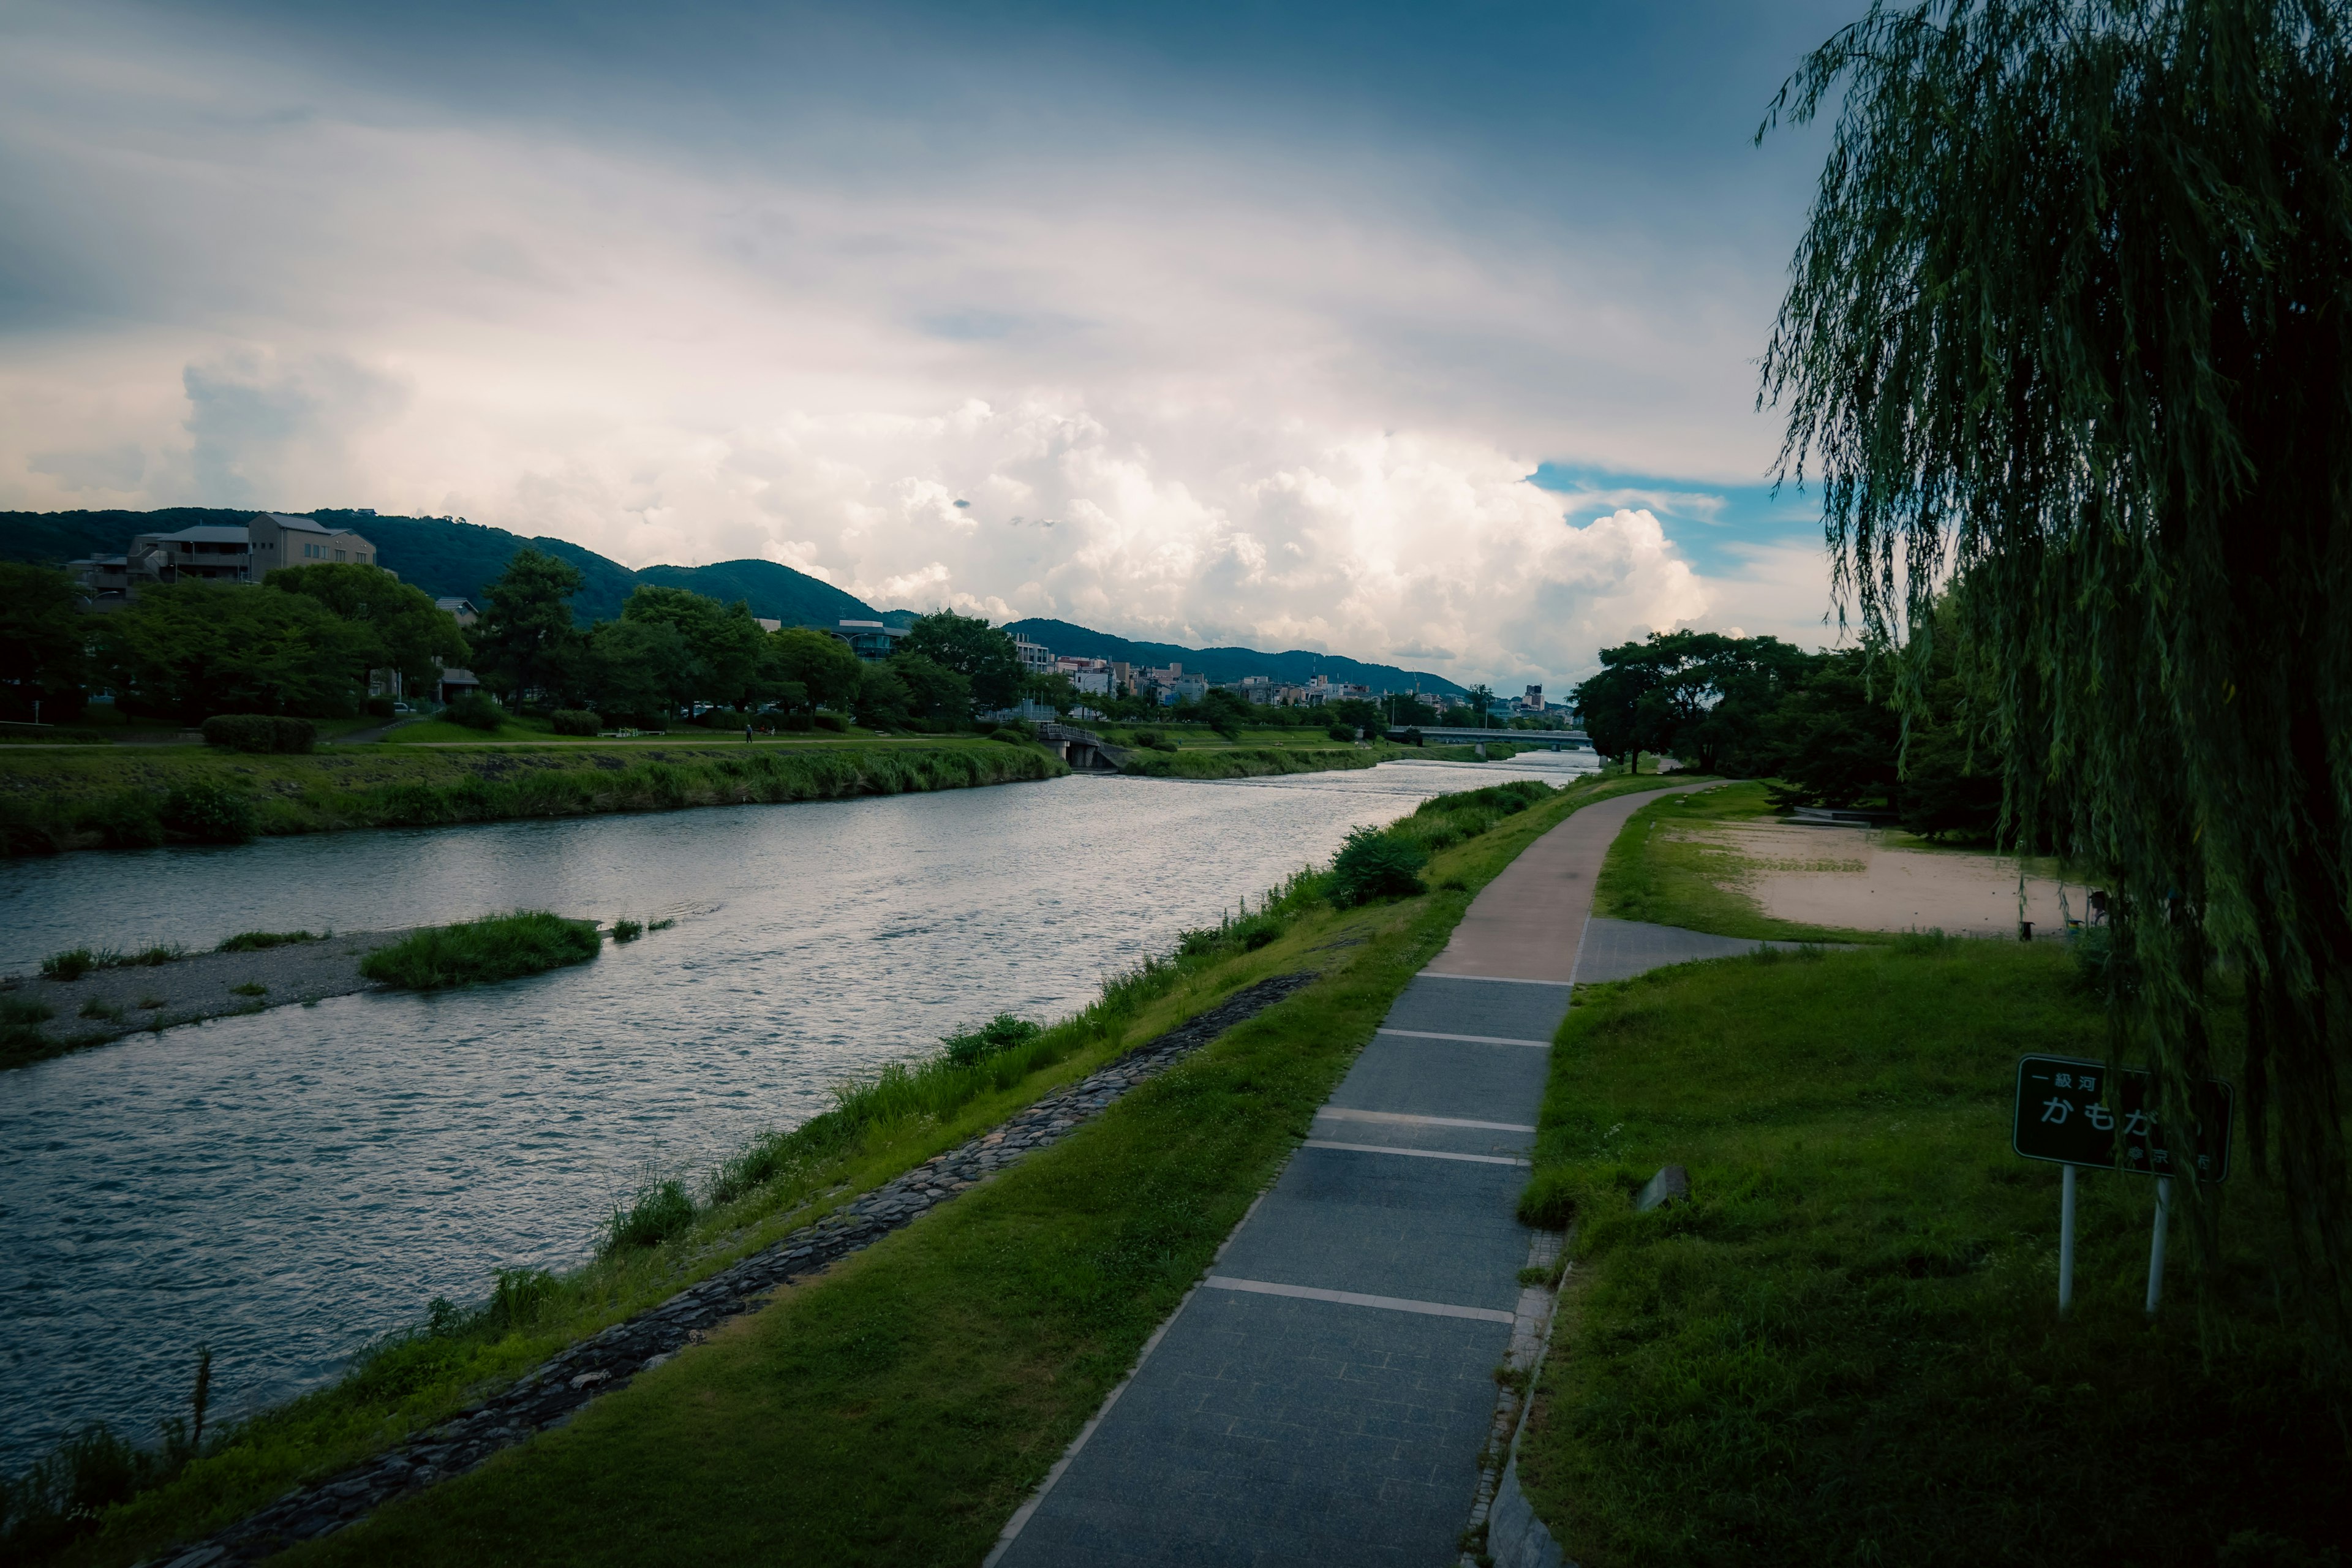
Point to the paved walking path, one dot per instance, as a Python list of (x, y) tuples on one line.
[(1322, 1398)]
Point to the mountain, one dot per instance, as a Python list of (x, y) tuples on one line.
[(452, 560), (776, 592), (1220, 664)]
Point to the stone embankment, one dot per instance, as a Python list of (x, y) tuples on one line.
[(553, 1393)]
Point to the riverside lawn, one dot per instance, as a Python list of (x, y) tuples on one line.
[(1651, 874), (899, 1408), (1846, 1347)]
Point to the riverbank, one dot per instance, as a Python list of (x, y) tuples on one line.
[(1205, 761), (1009, 1326), (1845, 1345), (88, 797)]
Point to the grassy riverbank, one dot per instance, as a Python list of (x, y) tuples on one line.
[(137, 797), (1247, 761), (1846, 1349), (1655, 873), (897, 1409)]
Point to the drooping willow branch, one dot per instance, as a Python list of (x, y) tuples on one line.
[(2069, 337)]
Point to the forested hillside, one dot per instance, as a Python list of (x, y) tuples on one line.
[(1220, 664)]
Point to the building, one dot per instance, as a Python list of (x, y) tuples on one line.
[(768, 625), (1035, 657), (462, 611), (217, 554), (1179, 688), (872, 640), (275, 539)]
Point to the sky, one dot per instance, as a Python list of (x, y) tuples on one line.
[(1423, 333)]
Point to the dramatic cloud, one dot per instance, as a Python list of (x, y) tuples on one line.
[(1176, 378)]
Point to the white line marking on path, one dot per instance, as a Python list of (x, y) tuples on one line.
[(1413, 1153), (1490, 979), (1466, 1040), (1351, 1299), (1404, 1118)]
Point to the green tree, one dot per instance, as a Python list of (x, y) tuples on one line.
[(980, 653), (941, 696), (728, 646), (189, 650), (1224, 712), (821, 664), (639, 669), (43, 642), (1700, 696), (2072, 319), (526, 640), (411, 634), (883, 700)]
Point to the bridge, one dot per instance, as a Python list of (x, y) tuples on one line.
[(1085, 751), (1524, 740)]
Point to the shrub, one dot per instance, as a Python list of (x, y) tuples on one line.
[(256, 940), (832, 721), (209, 812), (379, 707), (658, 1211), (475, 711), (1342, 732), (1010, 736), (575, 722), (1376, 865), (627, 931), (71, 965), (1000, 1032), (475, 953)]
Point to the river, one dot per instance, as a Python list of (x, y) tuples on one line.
[(285, 1187)]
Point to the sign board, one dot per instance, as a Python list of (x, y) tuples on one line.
[(2080, 1113)]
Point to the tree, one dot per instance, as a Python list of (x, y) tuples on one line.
[(1224, 712), (1700, 696), (43, 636), (978, 652), (725, 644), (525, 640), (640, 669), (883, 699), (188, 650), (2071, 319), (940, 695), (821, 664), (411, 633)]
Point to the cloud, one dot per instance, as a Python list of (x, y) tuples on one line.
[(260, 431), (120, 467)]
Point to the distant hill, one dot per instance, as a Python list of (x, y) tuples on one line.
[(1222, 664), (776, 592), (450, 560)]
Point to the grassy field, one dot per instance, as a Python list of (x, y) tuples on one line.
[(1656, 874), (1846, 1348), (96, 797), (899, 1408)]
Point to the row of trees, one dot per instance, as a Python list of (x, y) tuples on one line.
[(303, 644), (1824, 725)]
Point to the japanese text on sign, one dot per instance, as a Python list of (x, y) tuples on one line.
[(2082, 1113)]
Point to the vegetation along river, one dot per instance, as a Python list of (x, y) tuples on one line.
[(286, 1186)]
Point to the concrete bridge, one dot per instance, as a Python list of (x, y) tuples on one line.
[(1085, 751), (1524, 740)]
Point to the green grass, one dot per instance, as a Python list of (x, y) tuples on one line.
[(1655, 873), (1042, 1301), (260, 941), (476, 953), (1311, 752), (1846, 1348), (103, 797)]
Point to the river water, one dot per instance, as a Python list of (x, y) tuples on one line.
[(286, 1186)]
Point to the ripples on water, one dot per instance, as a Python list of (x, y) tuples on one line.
[(287, 1186)]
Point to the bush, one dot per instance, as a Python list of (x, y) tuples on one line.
[(209, 813), (379, 707), (659, 1211), (1376, 865), (260, 732), (475, 953), (475, 711), (256, 940), (1000, 1032), (1010, 736), (575, 722), (627, 931), (1342, 732), (832, 721)]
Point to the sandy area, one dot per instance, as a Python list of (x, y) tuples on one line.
[(200, 985), (1856, 877)]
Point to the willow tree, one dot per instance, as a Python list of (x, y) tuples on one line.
[(2071, 326)]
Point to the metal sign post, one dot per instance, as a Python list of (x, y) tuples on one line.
[(2082, 1116)]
